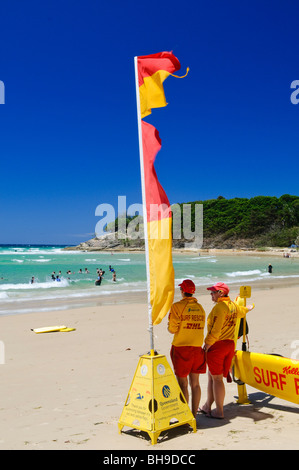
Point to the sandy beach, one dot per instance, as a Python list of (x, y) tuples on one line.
[(67, 390)]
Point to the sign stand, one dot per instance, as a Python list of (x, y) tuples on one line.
[(155, 401), (245, 292)]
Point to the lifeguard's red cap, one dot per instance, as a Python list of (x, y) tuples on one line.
[(188, 286), (220, 286)]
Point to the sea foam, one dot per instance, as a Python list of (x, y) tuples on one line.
[(35, 285), (243, 273)]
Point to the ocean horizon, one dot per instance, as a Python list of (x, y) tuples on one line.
[(19, 263)]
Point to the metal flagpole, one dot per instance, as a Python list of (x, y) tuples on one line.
[(150, 329)]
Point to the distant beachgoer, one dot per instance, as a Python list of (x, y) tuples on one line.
[(53, 277), (80, 271), (32, 280), (114, 276), (98, 281), (58, 279), (270, 269), (86, 270), (111, 269)]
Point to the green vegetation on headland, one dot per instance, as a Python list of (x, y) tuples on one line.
[(261, 221), (252, 223)]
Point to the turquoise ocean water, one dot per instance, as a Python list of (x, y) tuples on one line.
[(19, 263)]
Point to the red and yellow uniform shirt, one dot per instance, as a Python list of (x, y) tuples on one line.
[(187, 321), (221, 322)]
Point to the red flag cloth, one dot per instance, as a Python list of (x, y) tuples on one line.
[(149, 64), (155, 195), (159, 237), (152, 71)]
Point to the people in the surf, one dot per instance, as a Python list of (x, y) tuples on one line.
[(270, 269), (112, 270), (100, 274), (32, 280)]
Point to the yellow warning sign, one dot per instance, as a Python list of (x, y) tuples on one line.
[(245, 291), (155, 401)]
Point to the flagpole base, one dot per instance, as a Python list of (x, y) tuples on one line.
[(155, 402)]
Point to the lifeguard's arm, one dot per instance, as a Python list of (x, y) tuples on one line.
[(241, 311), (174, 320), (215, 330)]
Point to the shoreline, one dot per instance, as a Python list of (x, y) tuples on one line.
[(202, 251), (67, 390), (117, 296), (133, 297)]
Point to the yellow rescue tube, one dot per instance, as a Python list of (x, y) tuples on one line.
[(275, 375)]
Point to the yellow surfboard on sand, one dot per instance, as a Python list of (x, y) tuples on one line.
[(275, 375), (270, 373), (52, 329)]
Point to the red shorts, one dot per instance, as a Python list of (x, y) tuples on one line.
[(219, 357), (187, 360)]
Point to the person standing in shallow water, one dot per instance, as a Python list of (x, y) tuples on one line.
[(186, 322), (270, 268)]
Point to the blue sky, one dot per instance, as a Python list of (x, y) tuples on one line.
[(68, 128)]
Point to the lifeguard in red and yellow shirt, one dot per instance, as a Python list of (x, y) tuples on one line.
[(220, 345), (186, 322)]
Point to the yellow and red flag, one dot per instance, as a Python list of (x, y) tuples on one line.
[(151, 71), (159, 237)]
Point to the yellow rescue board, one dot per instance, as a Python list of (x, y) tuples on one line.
[(275, 375), (50, 329)]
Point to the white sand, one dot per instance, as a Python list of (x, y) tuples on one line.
[(67, 390)]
